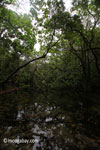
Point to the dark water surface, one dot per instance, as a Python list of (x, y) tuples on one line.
[(48, 122)]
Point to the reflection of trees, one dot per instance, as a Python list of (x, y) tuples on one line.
[(62, 130)]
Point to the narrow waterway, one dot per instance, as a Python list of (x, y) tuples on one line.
[(34, 123)]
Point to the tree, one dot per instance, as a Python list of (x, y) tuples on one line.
[(71, 39), (17, 38), (77, 33)]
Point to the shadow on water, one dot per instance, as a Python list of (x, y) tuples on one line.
[(52, 122)]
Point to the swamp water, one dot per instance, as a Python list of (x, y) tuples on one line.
[(45, 125)]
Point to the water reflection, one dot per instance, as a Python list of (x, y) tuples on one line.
[(51, 128)]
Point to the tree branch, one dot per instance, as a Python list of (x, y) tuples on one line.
[(80, 59), (92, 48), (92, 31), (90, 13), (82, 35), (24, 65)]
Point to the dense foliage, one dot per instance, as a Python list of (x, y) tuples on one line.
[(69, 42), (51, 93)]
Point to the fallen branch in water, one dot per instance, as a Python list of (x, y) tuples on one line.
[(9, 91)]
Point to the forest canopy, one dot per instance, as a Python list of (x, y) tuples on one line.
[(69, 54)]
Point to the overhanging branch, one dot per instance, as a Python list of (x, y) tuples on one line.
[(92, 31), (22, 66), (32, 60)]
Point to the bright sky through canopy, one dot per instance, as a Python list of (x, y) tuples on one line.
[(24, 6), (67, 4)]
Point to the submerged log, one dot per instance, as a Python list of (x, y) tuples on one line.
[(9, 91)]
